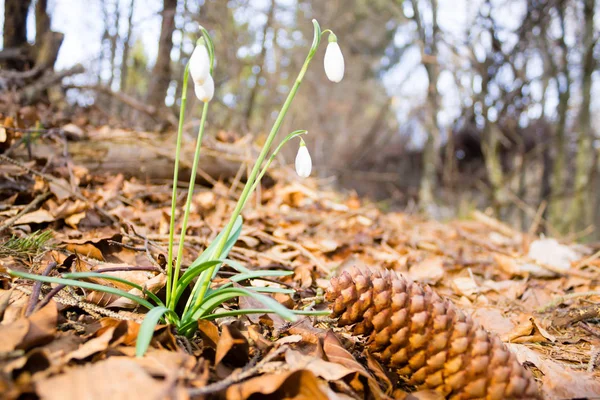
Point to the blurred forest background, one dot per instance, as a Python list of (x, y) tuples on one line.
[(446, 106)]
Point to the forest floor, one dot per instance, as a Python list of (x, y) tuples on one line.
[(56, 216)]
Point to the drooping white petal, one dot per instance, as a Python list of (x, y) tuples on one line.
[(205, 91), (200, 64), (303, 162), (334, 62)]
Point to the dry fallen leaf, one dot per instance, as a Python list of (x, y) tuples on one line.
[(429, 271), (232, 348), (297, 385), (559, 381), (117, 378)]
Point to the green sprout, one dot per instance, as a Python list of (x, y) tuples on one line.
[(205, 298)]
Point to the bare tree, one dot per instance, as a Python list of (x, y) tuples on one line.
[(580, 213), (161, 73), (126, 47), (261, 64), (428, 42)]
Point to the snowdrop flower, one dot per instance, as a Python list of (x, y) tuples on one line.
[(205, 91), (334, 60), (303, 161), (200, 63)]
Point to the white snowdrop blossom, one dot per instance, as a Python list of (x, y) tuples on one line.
[(200, 64), (334, 62), (205, 91), (303, 161)]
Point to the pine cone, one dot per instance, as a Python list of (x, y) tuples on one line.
[(427, 339)]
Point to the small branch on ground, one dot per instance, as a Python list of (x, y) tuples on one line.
[(561, 299), (55, 181), (10, 221), (37, 287), (235, 378)]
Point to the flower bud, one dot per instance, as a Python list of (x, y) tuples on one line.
[(205, 91), (334, 62), (303, 161), (200, 63)]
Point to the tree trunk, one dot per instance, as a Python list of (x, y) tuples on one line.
[(261, 64), (15, 22), (15, 30), (429, 55), (126, 47), (580, 207), (491, 153), (42, 21), (563, 82), (161, 73)]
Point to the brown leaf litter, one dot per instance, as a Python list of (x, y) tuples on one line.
[(537, 296)]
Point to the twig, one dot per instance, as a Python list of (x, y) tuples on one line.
[(560, 299), (298, 247), (49, 178), (150, 258), (37, 287), (594, 354), (235, 378), (124, 245), (589, 329), (588, 260), (50, 295), (10, 221), (86, 306), (537, 219)]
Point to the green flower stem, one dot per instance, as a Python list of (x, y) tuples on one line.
[(272, 157), (188, 205), (175, 179), (255, 170)]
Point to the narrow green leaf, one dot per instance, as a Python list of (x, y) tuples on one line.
[(207, 254), (256, 275), (147, 328), (85, 285), (217, 298), (233, 313), (188, 276), (312, 312), (87, 275), (266, 289)]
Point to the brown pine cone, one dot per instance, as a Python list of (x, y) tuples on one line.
[(427, 339)]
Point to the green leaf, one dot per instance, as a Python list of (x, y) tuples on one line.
[(220, 296), (147, 328), (237, 266), (188, 276), (85, 285), (86, 275), (258, 274), (207, 254), (312, 312), (246, 311)]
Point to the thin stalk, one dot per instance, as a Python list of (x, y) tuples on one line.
[(175, 179), (255, 170), (272, 157), (188, 203)]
